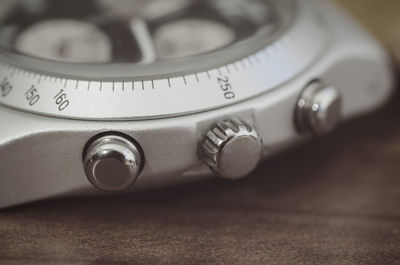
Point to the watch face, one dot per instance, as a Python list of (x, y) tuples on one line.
[(147, 59), (133, 31), (130, 31)]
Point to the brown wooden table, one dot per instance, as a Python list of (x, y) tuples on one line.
[(332, 201)]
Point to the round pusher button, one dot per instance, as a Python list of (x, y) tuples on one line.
[(319, 109), (113, 163), (232, 149)]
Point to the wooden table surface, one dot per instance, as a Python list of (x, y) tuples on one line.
[(334, 200)]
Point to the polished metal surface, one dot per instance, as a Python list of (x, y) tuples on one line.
[(170, 104), (113, 163), (342, 209), (232, 149), (319, 108)]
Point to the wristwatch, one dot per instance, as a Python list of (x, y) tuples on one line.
[(106, 96)]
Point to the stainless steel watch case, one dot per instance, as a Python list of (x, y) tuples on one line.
[(41, 157)]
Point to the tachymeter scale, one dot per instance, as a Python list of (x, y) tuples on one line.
[(71, 91)]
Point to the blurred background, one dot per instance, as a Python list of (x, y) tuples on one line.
[(381, 17), (334, 200)]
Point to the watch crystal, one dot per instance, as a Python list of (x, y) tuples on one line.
[(130, 31)]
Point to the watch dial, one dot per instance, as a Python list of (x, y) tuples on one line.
[(131, 31)]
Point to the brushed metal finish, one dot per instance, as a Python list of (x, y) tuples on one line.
[(319, 109), (232, 149), (50, 149), (112, 163)]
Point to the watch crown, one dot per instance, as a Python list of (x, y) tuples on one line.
[(232, 149)]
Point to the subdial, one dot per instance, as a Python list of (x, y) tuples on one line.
[(186, 37), (65, 40)]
